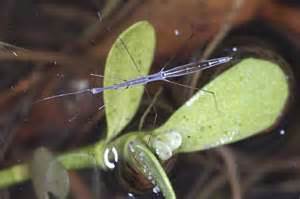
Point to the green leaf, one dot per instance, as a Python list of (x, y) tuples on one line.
[(130, 57), (141, 158), (249, 98), (48, 175)]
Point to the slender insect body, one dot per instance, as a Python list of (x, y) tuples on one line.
[(95, 91), (163, 75), (194, 67), (155, 77), (218, 61), (138, 81)]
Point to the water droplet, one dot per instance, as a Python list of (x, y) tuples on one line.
[(282, 132), (163, 151), (173, 140), (130, 195), (156, 189), (176, 32), (131, 148)]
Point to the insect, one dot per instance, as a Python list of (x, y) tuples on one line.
[(162, 75)]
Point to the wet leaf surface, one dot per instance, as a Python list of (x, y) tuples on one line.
[(130, 57), (49, 177), (249, 98)]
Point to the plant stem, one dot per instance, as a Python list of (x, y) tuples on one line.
[(139, 155), (13, 175), (85, 157)]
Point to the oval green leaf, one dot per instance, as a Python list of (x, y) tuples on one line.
[(141, 158), (130, 57), (49, 177), (249, 98)]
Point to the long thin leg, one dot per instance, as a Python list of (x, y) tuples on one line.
[(142, 120), (139, 71), (203, 90), (102, 76)]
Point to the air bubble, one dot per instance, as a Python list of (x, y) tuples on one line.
[(176, 32), (14, 53), (149, 177), (131, 148), (163, 151), (156, 189), (110, 157), (130, 195), (174, 140)]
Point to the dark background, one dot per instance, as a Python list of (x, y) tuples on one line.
[(57, 44)]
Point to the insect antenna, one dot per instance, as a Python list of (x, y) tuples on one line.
[(197, 89), (64, 94)]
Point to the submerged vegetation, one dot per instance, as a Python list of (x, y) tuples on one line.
[(245, 99)]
